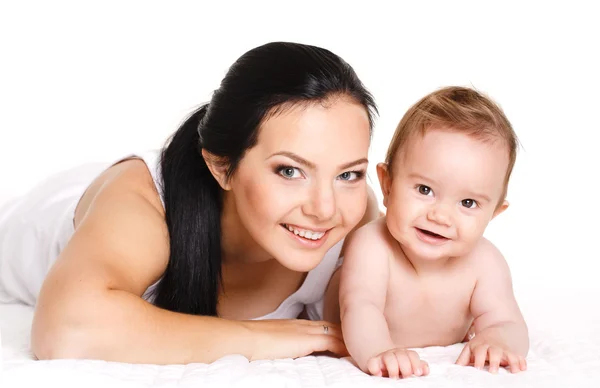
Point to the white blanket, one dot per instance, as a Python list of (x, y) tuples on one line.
[(565, 352)]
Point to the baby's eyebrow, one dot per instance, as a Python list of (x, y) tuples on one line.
[(311, 165), (480, 196), (420, 177)]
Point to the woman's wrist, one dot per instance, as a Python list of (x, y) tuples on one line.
[(250, 334)]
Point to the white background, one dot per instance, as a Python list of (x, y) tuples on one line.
[(86, 81)]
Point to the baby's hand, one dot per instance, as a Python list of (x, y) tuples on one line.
[(482, 348), (397, 363)]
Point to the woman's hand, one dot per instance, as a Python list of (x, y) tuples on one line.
[(293, 338)]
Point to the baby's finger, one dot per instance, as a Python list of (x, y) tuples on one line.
[(391, 364), (404, 363), (522, 363), (495, 355), (464, 358), (425, 367), (513, 363), (415, 362), (480, 355), (375, 366)]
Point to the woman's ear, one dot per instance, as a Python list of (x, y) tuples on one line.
[(218, 168), (385, 181)]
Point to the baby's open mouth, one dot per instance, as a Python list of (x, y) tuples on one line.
[(435, 235)]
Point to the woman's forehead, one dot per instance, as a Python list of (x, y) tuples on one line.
[(341, 124)]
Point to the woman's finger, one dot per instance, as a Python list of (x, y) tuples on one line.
[(324, 343), (322, 327)]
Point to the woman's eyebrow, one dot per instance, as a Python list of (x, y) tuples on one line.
[(301, 160), (355, 163)]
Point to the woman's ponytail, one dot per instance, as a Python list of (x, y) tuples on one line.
[(193, 215)]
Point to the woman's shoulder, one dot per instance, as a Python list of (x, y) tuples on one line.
[(120, 224), (131, 178)]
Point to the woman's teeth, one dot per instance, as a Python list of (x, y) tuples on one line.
[(308, 234)]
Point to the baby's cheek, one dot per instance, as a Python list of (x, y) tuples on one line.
[(472, 231), (396, 226)]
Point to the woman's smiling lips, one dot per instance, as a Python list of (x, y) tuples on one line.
[(310, 237)]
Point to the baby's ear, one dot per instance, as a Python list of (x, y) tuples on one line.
[(500, 208), (385, 181)]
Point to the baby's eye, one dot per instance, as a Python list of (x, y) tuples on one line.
[(289, 172), (425, 190), (469, 203)]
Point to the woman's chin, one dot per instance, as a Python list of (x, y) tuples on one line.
[(301, 263)]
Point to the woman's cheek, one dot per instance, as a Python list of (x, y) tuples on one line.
[(282, 199), (353, 206)]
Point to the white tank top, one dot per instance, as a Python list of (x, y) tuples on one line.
[(36, 227)]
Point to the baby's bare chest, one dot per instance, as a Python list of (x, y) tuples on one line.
[(429, 312)]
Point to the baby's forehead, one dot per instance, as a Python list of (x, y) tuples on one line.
[(443, 138), (454, 157)]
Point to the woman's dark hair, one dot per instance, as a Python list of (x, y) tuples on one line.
[(267, 78)]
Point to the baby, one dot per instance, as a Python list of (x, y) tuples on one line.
[(423, 275)]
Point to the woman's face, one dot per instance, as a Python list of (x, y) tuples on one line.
[(302, 187)]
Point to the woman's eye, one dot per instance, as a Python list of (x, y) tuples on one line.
[(289, 172), (350, 175), (425, 190), (469, 203)]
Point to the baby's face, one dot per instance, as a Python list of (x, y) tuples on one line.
[(444, 191)]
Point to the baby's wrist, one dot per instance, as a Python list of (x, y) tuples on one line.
[(380, 350)]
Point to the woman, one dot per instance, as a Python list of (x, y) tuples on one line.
[(216, 244)]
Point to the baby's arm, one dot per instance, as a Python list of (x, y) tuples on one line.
[(501, 334), (363, 288)]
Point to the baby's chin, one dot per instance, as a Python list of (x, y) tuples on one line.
[(432, 254), (418, 250)]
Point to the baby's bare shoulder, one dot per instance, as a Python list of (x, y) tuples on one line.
[(485, 257), (367, 246), (372, 235)]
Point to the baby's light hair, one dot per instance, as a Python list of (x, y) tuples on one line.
[(457, 109)]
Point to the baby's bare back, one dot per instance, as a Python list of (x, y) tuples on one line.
[(432, 309)]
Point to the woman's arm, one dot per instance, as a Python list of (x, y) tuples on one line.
[(90, 304)]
